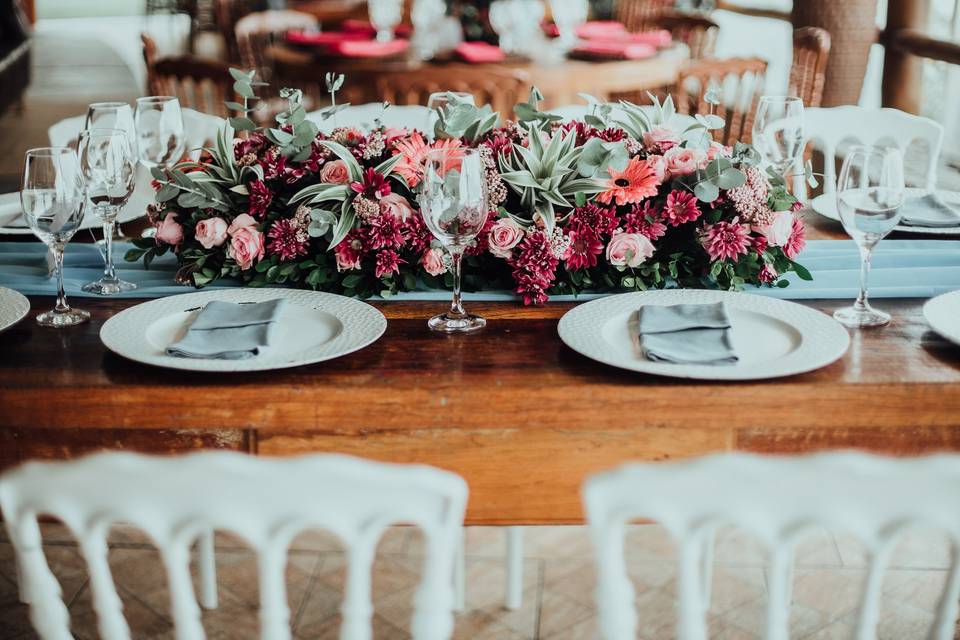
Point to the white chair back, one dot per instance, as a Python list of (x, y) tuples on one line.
[(827, 127), (363, 116), (778, 499), (267, 502)]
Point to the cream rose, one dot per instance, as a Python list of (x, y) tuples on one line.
[(628, 249), (335, 172), (661, 137), (778, 232), (432, 262), (169, 231), (396, 205), (681, 162), (504, 236), (211, 232)]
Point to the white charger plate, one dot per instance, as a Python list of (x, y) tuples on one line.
[(826, 205), (772, 337), (14, 306), (313, 327), (943, 315)]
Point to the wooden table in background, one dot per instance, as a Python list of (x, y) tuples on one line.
[(523, 418)]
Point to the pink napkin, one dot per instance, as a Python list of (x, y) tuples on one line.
[(614, 50), (601, 30), (659, 38), (322, 39), (369, 48), (480, 52), (365, 28)]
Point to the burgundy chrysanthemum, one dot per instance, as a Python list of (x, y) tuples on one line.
[(602, 220), (611, 134), (500, 144), (254, 144), (583, 248), (417, 233), (482, 242), (260, 198), (388, 261), (373, 186), (681, 207), (726, 240), (285, 241), (644, 218), (383, 231), (349, 251), (583, 130), (534, 267)]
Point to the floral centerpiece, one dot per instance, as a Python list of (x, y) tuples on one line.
[(618, 200)]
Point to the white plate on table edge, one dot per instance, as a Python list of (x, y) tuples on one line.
[(90, 219), (943, 315), (314, 327), (14, 307), (826, 205), (772, 337)]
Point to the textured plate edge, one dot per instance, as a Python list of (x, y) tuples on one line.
[(725, 379), (22, 313)]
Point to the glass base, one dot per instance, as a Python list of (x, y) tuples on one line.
[(446, 323), (66, 318), (108, 287), (865, 316)]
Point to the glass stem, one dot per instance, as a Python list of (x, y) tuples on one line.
[(866, 253), (62, 306), (456, 306), (109, 218)]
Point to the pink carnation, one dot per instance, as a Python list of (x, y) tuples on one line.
[(681, 207), (726, 240)]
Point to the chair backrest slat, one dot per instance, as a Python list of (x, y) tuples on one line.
[(808, 72), (185, 78)]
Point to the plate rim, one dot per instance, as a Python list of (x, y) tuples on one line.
[(20, 314), (237, 366), (690, 372), (929, 308), (929, 231)]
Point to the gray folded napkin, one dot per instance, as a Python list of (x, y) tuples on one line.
[(229, 331), (686, 334), (929, 211)]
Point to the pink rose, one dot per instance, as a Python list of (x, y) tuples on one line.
[(628, 249), (681, 162), (246, 246), (716, 149), (662, 138), (432, 262), (335, 172), (396, 205), (504, 236), (778, 232), (211, 232), (169, 231), (241, 221)]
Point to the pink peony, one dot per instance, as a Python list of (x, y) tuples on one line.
[(797, 240), (246, 246), (681, 162), (504, 236), (396, 205), (778, 232), (628, 249), (260, 198), (432, 262), (661, 138), (335, 172), (211, 232), (169, 231), (681, 207), (726, 240)]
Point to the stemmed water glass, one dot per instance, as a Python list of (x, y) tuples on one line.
[(109, 168), (52, 198), (160, 134), (870, 192), (454, 208), (568, 15), (778, 131), (112, 115), (385, 16)]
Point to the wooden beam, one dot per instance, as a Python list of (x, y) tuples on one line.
[(919, 44), (902, 71), (772, 14)]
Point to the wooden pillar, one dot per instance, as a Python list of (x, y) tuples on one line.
[(902, 71), (853, 28)]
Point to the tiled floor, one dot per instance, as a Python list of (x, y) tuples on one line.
[(558, 586)]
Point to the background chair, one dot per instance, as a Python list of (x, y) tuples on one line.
[(696, 31), (808, 71), (199, 83), (777, 499), (266, 502), (640, 15), (255, 32)]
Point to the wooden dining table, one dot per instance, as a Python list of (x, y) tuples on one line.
[(520, 416)]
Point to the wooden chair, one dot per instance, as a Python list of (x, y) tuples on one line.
[(808, 73), (696, 31), (255, 32), (777, 499), (199, 83), (267, 502), (641, 15), (739, 81)]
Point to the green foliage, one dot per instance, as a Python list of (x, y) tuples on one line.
[(461, 119)]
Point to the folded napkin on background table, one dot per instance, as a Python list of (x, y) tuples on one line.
[(368, 48), (479, 52), (324, 38), (618, 50), (929, 211), (686, 334), (9, 208), (229, 331)]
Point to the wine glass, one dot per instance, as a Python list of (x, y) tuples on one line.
[(109, 168), (52, 199), (384, 16), (112, 115), (501, 19), (160, 135), (870, 193), (568, 15), (778, 131), (454, 208)]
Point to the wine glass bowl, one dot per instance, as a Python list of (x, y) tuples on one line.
[(385, 15), (160, 132), (870, 193), (778, 131), (52, 197)]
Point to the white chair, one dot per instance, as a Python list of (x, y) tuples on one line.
[(363, 116), (777, 499), (826, 128), (265, 501)]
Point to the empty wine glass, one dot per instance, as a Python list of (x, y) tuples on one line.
[(778, 131), (109, 168), (568, 15), (501, 19), (52, 199), (454, 208), (160, 135), (112, 115), (869, 196), (385, 16)]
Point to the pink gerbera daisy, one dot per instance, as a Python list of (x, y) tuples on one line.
[(726, 240), (681, 207), (637, 181), (797, 240), (414, 152)]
